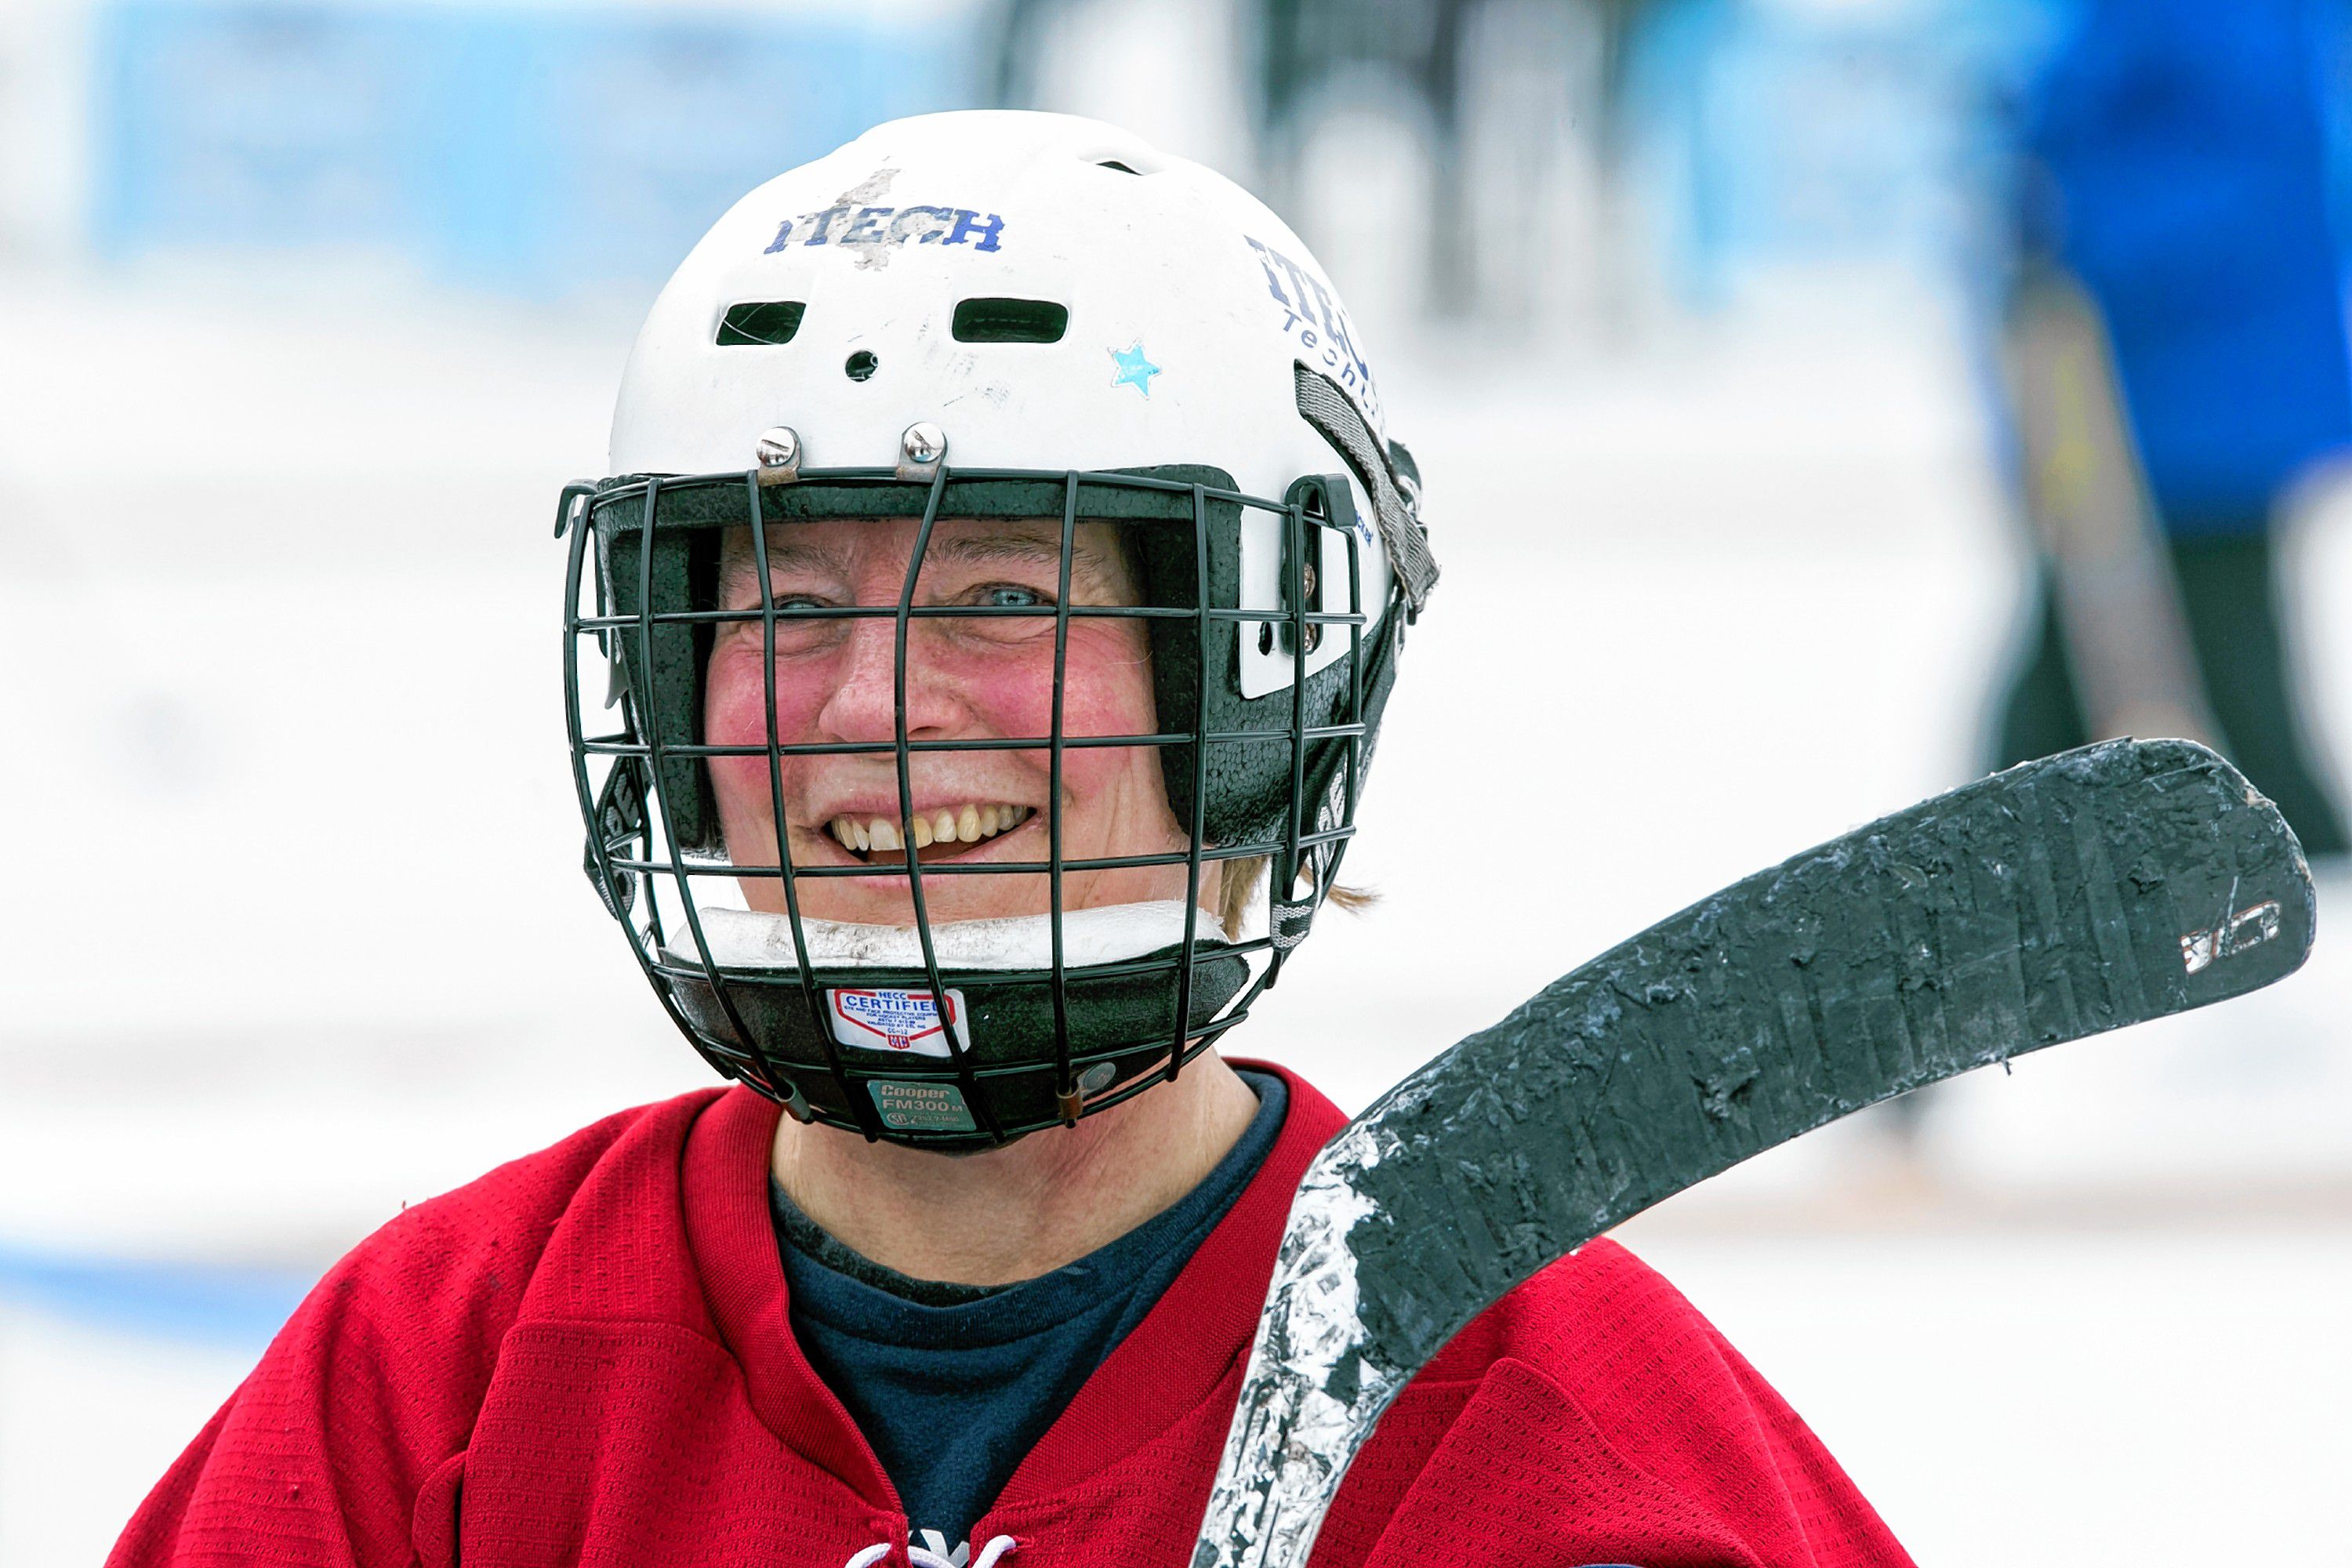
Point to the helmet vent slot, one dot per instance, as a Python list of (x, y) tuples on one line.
[(1010, 322), (764, 322), (1115, 163)]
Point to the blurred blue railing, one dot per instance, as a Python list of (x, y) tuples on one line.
[(237, 1307), (529, 150)]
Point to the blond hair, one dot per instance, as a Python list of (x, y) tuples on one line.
[(1238, 882)]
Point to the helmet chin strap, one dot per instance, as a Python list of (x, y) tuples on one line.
[(753, 939)]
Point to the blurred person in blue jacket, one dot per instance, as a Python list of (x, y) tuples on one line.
[(2177, 359)]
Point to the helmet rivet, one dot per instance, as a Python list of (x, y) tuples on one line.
[(779, 446), (924, 444), (1097, 1078)]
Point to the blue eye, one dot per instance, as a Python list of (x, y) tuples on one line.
[(1010, 596)]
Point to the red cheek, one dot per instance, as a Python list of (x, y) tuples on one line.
[(733, 698), (734, 713), (1111, 693), (1101, 697), (1107, 692)]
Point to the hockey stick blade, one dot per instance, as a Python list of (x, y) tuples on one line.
[(2089, 891)]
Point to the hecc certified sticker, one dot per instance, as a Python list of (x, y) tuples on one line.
[(902, 1021)]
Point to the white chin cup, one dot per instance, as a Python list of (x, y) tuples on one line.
[(753, 939)]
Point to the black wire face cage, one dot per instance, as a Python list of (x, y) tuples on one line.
[(948, 1048)]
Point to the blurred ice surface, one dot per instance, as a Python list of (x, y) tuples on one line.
[(88, 1419), (296, 931), (2159, 1397), (304, 811)]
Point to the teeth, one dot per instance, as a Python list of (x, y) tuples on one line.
[(949, 824)]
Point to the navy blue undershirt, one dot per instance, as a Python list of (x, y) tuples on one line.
[(954, 1385)]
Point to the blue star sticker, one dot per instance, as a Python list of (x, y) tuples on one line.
[(1134, 369)]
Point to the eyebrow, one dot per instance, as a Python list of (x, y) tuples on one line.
[(785, 554), (1028, 549), (788, 554)]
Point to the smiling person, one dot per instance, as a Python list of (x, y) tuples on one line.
[(981, 677), (1002, 576)]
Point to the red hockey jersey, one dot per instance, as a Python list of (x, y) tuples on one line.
[(583, 1358)]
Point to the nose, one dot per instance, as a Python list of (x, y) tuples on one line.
[(863, 706)]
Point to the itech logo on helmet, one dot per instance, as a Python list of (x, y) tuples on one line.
[(897, 1021), (1319, 325), (856, 226)]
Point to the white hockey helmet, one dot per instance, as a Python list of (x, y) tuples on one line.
[(1019, 314)]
